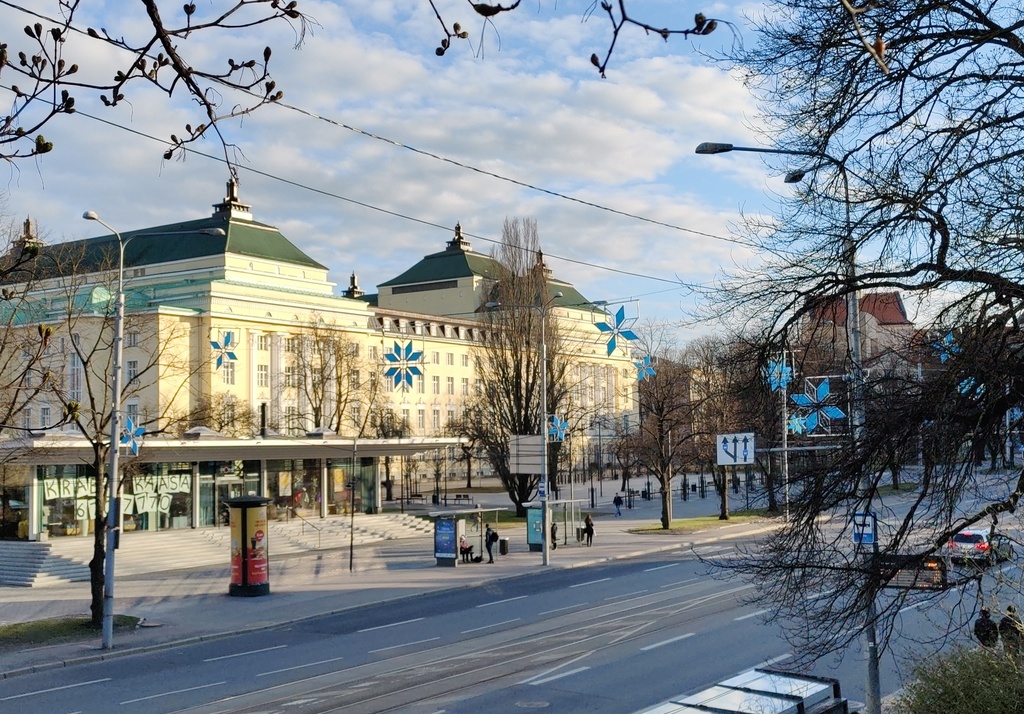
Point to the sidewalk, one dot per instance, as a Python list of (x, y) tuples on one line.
[(192, 605)]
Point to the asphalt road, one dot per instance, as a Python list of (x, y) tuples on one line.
[(613, 638)]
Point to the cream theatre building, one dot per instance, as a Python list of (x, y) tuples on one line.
[(246, 372)]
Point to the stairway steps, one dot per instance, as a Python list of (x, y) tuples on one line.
[(64, 560)]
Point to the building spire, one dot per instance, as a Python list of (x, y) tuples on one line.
[(231, 206), (353, 290), (458, 244)]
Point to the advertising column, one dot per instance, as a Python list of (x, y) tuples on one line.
[(250, 555)]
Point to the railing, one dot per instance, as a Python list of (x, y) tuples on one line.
[(293, 512)]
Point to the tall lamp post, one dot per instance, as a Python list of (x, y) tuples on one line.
[(542, 308), (873, 693), (115, 434)]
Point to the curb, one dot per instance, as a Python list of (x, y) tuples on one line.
[(142, 649)]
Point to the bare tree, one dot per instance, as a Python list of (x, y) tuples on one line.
[(910, 143), (508, 358), (81, 362), (46, 75), (221, 412)]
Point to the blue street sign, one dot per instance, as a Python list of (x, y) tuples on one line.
[(864, 528)]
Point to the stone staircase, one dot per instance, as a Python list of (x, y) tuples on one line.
[(64, 560)]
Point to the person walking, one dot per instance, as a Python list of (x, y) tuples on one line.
[(588, 529), (985, 629), (617, 502), (1011, 632), (490, 536)]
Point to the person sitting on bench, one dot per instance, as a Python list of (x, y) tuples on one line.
[(465, 549)]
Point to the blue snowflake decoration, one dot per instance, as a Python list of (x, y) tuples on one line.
[(947, 347), (779, 375), (970, 386), (557, 428), (619, 328), (796, 424), (817, 406), (644, 370), (1015, 415), (403, 365), (223, 348), (130, 435)]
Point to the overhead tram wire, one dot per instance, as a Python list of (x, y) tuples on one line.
[(438, 157), (672, 281)]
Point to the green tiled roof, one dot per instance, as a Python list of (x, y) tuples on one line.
[(181, 241), (447, 265)]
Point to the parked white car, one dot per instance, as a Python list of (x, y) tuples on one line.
[(979, 545)]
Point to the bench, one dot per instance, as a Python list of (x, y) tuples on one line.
[(467, 554), (418, 497), (462, 498)]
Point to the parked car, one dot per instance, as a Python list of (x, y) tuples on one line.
[(979, 545)]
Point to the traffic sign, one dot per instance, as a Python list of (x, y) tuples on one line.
[(864, 528), (735, 449)]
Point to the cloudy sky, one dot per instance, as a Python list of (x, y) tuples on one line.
[(520, 100)]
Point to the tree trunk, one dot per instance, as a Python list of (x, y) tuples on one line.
[(98, 553), (666, 500), (721, 478)]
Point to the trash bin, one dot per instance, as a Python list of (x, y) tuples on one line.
[(502, 546), (435, 499), (579, 534)]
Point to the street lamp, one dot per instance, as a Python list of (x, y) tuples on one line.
[(873, 693), (115, 432), (542, 308)]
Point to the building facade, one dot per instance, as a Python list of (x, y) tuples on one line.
[(236, 337)]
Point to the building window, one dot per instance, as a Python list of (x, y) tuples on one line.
[(131, 370), (291, 344), (450, 359), (435, 382), (465, 360), (227, 372), (420, 383), (291, 419), (357, 415), (465, 386), (435, 358), (372, 352), (450, 385), (74, 377), (451, 416), (262, 375), (44, 417), (131, 410), (263, 343), (405, 418), (478, 386), (436, 420), (353, 379), (26, 418), (291, 376), (131, 339), (421, 419)]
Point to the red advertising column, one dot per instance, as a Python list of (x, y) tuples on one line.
[(250, 553)]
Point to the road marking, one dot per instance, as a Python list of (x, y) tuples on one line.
[(635, 592), (559, 609), (486, 627), (498, 602), (560, 675), (910, 607), (660, 567), (176, 691), (749, 615), (54, 689), (299, 666), (773, 660), (589, 582), (407, 644), (393, 624), (822, 594), (244, 654), (669, 641), (672, 585)]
